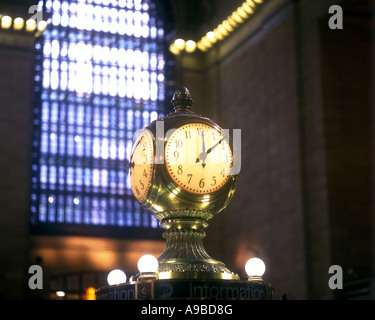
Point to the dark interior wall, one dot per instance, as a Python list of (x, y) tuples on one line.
[(16, 96), (253, 87), (301, 94), (347, 86), (258, 90)]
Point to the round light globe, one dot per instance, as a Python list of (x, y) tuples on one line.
[(116, 276), (148, 264), (255, 267)]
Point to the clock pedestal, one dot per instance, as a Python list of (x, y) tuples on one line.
[(184, 255)]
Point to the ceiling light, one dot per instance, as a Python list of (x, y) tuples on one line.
[(173, 48), (206, 41), (247, 8), (232, 22), (237, 17), (201, 46), (42, 25), (227, 26), (242, 13), (220, 32), (251, 3), (180, 44), (190, 46), (18, 23), (30, 25), (6, 22), (211, 36)]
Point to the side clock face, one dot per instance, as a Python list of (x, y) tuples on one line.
[(141, 165), (198, 158)]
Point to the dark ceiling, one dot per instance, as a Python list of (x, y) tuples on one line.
[(183, 16), (190, 18)]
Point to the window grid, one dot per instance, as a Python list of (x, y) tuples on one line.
[(100, 75)]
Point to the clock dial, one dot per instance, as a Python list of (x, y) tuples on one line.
[(198, 158), (141, 165)]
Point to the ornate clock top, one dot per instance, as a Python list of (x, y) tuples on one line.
[(182, 99)]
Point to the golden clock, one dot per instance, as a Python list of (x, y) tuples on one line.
[(198, 158), (180, 171), (142, 164)]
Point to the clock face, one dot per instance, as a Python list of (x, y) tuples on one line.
[(141, 165), (198, 158)]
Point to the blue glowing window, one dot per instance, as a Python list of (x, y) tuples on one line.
[(100, 75)]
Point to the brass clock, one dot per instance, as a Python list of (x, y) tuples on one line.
[(198, 157), (180, 171)]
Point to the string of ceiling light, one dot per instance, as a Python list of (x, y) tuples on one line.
[(223, 30), (18, 24)]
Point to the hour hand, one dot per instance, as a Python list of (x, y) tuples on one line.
[(202, 156), (198, 158)]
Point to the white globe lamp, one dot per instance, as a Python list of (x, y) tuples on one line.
[(116, 276), (255, 269), (148, 266)]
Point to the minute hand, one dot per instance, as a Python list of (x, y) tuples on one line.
[(214, 146)]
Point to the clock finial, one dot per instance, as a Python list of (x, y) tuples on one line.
[(182, 99)]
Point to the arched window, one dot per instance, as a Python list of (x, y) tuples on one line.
[(100, 75)]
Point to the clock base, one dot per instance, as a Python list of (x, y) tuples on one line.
[(187, 289), (184, 255)]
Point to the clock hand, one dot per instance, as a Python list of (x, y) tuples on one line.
[(203, 144), (139, 142), (203, 154), (214, 146), (197, 151)]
